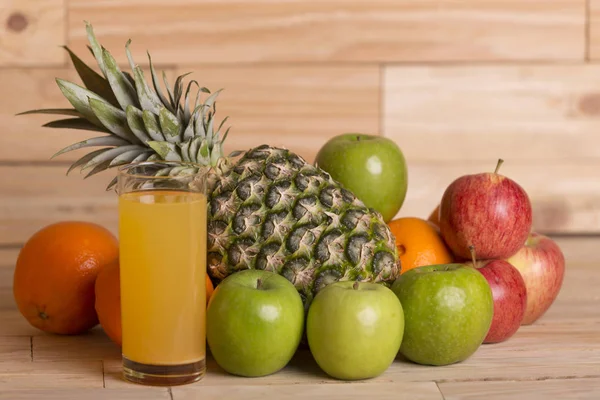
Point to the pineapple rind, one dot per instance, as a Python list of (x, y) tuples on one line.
[(276, 212)]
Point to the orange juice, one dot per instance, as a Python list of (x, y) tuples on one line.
[(163, 272)]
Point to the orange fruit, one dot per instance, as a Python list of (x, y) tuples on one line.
[(55, 274), (209, 288), (434, 217), (108, 300), (419, 243)]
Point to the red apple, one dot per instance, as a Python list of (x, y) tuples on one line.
[(488, 211), (542, 265), (510, 298)]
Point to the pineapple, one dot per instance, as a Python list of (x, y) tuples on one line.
[(274, 211), (269, 209)]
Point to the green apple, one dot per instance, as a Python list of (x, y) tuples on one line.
[(448, 311), (254, 323), (372, 167), (354, 330)]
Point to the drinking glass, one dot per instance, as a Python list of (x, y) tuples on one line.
[(162, 234)]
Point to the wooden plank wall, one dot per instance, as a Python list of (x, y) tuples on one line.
[(456, 84)]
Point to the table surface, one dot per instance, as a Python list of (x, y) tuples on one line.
[(556, 358)]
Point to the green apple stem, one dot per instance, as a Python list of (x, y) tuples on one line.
[(355, 286), (472, 250), (500, 161), (259, 283)]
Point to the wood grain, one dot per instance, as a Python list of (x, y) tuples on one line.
[(23, 138), (137, 393), (299, 108), (581, 251), (564, 196), (594, 29), (386, 391), (6, 283), (295, 107), (548, 336), (562, 347), (577, 278), (15, 348), (31, 32), (512, 362), (587, 313), (302, 369), (561, 389), (511, 367), (50, 375), (578, 250), (238, 31), (570, 204), (93, 345), (536, 113), (33, 197), (13, 323), (8, 257)]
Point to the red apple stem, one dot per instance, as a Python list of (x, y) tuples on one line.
[(472, 250), (498, 165), (355, 286), (259, 283)]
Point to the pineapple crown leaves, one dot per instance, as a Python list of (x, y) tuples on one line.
[(142, 123)]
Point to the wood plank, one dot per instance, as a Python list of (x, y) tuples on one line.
[(92, 345), (552, 337), (535, 113), (137, 393), (15, 348), (7, 301), (50, 375), (509, 367), (580, 250), (23, 137), (562, 389), (563, 344), (8, 257), (565, 197), (584, 275), (342, 391), (302, 369), (594, 29), (554, 347), (299, 108), (573, 312), (295, 107), (263, 31), (485, 364), (31, 32), (50, 196), (13, 324)]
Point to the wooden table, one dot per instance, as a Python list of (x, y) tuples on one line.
[(556, 358)]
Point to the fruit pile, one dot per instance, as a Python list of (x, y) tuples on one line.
[(449, 299), (297, 250)]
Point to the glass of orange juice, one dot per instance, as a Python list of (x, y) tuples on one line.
[(162, 234)]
